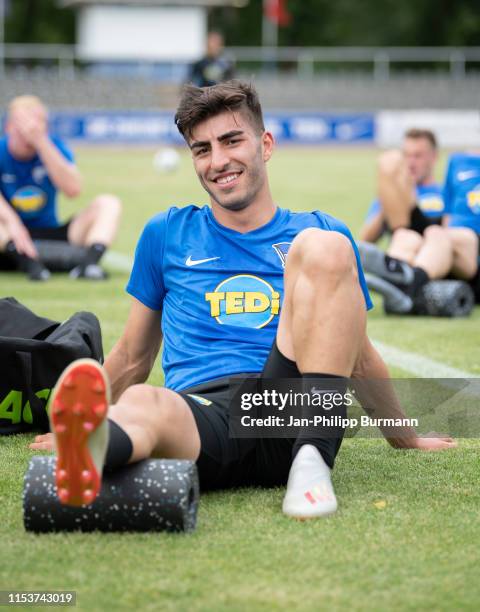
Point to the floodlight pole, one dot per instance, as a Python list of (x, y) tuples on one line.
[(269, 38)]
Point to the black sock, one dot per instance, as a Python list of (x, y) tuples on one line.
[(327, 440), (33, 267), (94, 253), (420, 279), (119, 448), (394, 265)]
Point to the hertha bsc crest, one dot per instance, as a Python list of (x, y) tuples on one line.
[(281, 249)]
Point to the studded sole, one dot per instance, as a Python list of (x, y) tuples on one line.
[(78, 405)]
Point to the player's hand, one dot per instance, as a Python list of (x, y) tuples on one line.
[(43, 442), (434, 442), (32, 126), (21, 239)]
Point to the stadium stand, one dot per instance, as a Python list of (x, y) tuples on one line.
[(360, 92)]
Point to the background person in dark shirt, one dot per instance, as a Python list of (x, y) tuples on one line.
[(214, 67)]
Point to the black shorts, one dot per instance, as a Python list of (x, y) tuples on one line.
[(226, 462), (419, 221), (59, 233), (51, 233)]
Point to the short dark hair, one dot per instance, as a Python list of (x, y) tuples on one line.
[(200, 103), (418, 133)]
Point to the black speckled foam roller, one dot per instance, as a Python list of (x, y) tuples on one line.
[(153, 495)]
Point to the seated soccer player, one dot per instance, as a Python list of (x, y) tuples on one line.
[(33, 168), (450, 250), (409, 199), (237, 288)]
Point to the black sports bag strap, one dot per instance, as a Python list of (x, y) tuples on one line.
[(34, 412)]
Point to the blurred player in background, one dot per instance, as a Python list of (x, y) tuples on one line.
[(214, 67), (408, 196), (450, 250), (33, 168)]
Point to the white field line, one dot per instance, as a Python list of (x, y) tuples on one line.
[(118, 261), (419, 366)]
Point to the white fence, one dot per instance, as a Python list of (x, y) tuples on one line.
[(305, 61)]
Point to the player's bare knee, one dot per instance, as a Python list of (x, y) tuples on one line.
[(408, 238), (325, 254), (107, 201), (390, 162), (463, 238), (435, 232)]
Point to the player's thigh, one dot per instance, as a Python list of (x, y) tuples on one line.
[(405, 244), (163, 417), (465, 244), (80, 225), (325, 256), (224, 461)]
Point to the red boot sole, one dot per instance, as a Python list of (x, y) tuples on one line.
[(78, 406)]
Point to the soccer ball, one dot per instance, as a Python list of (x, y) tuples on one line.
[(166, 160)]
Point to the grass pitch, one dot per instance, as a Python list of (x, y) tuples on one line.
[(406, 533)]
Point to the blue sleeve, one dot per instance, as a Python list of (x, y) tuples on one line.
[(146, 282), (337, 226), (448, 188), (374, 209), (64, 149)]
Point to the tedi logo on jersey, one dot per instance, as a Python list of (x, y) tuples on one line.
[(473, 199), (29, 199), (244, 300)]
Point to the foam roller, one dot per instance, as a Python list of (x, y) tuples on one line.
[(60, 256), (444, 298), (153, 495)]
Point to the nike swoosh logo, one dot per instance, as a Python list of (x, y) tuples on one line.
[(463, 176), (194, 262)]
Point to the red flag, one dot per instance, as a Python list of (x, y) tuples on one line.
[(276, 11)]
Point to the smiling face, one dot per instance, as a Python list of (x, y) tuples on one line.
[(229, 156)]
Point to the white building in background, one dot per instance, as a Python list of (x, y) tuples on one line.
[(143, 30)]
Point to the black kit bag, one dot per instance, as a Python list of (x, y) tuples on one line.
[(33, 353)]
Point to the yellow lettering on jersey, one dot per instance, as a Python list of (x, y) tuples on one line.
[(473, 198), (256, 301), (431, 203), (275, 303), (215, 298), (234, 302)]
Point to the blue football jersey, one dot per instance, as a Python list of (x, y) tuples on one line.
[(462, 191), (220, 291), (26, 186), (429, 200)]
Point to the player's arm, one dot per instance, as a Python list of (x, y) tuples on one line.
[(377, 396), (129, 362), (63, 173), (131, 359), (16, 230), (373, 227)]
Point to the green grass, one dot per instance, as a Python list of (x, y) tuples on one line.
[(418, 552)]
